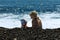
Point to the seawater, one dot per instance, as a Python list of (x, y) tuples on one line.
[(50, 20)]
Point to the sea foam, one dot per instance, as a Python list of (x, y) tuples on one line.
[(50, 20)]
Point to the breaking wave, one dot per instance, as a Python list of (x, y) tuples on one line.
[(50, 20)]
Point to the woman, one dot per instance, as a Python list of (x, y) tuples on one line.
[(36, 22)]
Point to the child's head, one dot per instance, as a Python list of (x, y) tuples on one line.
[(23, 22)]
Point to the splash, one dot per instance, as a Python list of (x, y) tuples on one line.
[(49, 20)]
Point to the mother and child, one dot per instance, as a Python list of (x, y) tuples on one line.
[(36, 22)]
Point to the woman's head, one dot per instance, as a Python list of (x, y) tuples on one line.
[(33, 14)]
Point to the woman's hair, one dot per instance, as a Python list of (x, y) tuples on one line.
[(33, 13)]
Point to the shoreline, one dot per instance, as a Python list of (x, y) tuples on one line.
[(29, 34)]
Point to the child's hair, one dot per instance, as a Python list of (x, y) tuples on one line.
[(23, 21)]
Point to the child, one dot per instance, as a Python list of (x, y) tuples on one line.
[(24, 23)]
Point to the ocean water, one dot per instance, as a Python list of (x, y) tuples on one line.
[(50, 20), (12, 11)]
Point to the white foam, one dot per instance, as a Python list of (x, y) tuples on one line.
[(11, 21)]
